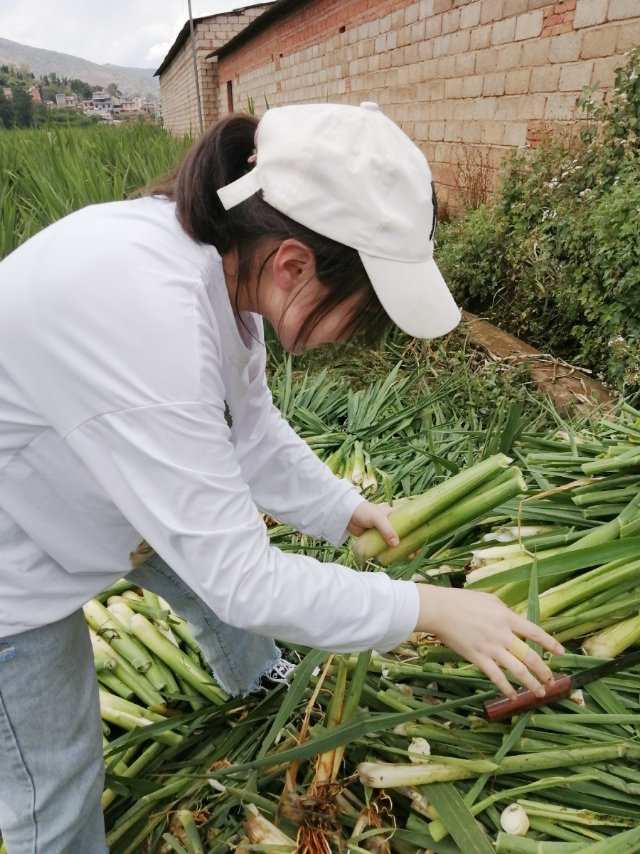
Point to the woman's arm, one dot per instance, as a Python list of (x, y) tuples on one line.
[(172, 471), (287, 479)]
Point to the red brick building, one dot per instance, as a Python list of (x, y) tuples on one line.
[(457, 75)]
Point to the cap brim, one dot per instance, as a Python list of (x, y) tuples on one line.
[(414, 295)]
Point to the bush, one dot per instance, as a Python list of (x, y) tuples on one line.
[(555, 258)]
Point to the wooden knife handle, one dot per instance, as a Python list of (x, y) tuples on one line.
[(496, 710)]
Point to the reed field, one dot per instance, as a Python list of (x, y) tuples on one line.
[(47, 173), (492, 490)]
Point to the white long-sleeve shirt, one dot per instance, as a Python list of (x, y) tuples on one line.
[(118, 350)]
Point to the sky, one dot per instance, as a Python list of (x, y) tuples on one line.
[(123, 32)]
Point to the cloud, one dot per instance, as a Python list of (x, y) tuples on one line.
[(157, 53), (120, 32)]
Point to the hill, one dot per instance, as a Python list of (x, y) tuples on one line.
[(130, 81)]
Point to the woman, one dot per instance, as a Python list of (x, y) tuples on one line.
[(133, 404)]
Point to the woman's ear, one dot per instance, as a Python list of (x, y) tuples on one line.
[(294, 265)]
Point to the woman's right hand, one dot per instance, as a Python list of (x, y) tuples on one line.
[(482, 629)]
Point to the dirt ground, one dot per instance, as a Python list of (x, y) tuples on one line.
[(569, 387)]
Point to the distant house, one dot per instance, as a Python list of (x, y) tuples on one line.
[(7, 92), (63, 100), (36, 94), (100, 105), (102, 102), (177, 87)]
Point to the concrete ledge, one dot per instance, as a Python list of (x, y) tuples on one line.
[(570, 388)]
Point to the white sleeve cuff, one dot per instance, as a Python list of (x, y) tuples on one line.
[(337, 519), (404, 615)]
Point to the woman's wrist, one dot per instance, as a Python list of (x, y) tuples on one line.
[(427, 612)]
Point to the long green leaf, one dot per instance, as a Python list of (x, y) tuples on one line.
[(301, 679), (457, 818)]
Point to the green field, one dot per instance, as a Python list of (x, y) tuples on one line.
[(46, 174)]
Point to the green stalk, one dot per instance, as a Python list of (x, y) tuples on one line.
[(155, 673), (555, 831), (115, 685), (378, 775), (126, 673), (604, 496), (614, 639), (185, 817), (357, 475), (459, 514), (352, 699), (567, 620), (196, 701), (129, 716), (109, 627), (424, 507), (627, 842), (147, 756), (583, 587), (176, 659), (439, 832), (509, 844), (335, 460), (572, 816), (623, 461), (325, 762)]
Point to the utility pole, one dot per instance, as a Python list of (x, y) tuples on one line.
[(195, 67)]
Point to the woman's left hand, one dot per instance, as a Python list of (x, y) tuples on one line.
[(368, 515)]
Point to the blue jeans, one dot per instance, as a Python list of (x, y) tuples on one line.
[(51, 764)]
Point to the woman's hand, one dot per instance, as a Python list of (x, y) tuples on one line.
[(368, 515), (487, 633)]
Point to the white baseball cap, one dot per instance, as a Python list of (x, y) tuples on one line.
[(351, 174)]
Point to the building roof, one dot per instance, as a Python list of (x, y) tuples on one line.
[(183, 35), (278, 10)]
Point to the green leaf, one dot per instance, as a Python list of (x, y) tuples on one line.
[(343, 734), (457, 818), (556, 567), (301, 679)]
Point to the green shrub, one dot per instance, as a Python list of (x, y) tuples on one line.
[(555, 258)]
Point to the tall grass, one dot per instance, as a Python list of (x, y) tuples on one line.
[(47, 173)]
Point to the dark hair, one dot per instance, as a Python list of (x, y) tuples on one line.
[(218, 158)]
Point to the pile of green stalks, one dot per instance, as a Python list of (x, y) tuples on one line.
[(393, 753)]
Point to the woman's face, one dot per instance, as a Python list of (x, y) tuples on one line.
[(288, 292), (331, 329)]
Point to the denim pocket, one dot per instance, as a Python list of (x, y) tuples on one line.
[(6, 652)]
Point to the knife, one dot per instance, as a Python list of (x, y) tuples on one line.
[(556, 689)]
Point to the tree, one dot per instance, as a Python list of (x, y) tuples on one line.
[(6, 111), (40, 115), (113, 90), (81, 89), (22, 107)]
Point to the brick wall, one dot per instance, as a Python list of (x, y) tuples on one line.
[(455, 74), (177, 87)]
